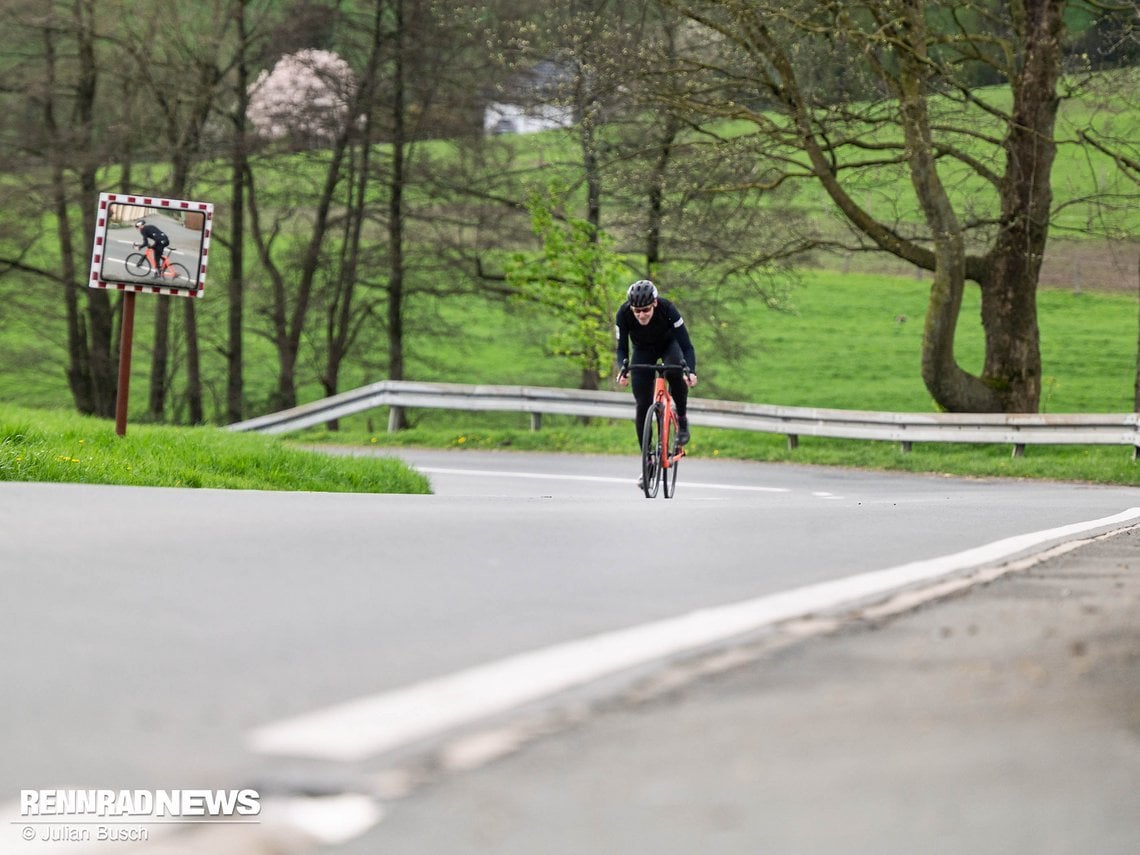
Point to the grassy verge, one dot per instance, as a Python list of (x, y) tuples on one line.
[(56, 446), (1090, 464)]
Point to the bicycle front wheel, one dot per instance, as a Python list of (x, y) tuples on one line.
[(651, 452), (137, 264)]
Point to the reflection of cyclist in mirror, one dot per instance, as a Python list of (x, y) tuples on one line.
[(657, 331), (153, 238)]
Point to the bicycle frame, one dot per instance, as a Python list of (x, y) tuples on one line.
[(142, 265), (164, 263)]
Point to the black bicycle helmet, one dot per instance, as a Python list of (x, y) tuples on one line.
[(642, 293)]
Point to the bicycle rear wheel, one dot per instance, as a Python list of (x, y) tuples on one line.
[(178, 273), (137, 264), (651, 452), (669, 476)]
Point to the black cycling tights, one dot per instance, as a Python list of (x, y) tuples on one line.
[(642, 382)]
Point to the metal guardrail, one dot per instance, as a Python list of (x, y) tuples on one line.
[(1017, 430)]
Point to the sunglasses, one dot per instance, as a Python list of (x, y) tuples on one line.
[(642, 310)]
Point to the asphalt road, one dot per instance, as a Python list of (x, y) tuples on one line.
[(152, 634)]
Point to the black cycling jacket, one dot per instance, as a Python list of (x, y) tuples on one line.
[(154, 236), (664, 327)]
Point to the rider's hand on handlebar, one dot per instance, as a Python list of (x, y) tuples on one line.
[(622, 378), (691, 379)]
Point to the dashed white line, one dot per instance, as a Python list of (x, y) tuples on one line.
[(600, 479)]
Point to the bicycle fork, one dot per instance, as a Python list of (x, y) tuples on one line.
[(670, 425)]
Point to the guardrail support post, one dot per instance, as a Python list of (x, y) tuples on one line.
[(905, 446), (1019, 450), (394, 418), (536, 421), (793, 442)]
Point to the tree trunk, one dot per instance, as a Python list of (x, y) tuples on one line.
[(398, 420), (79, 373), (588, 110), (193, 363), (1010, 380), (159, 360), (658, 181), (947, 383), (235, 288), (1009, 290), (91, 371)]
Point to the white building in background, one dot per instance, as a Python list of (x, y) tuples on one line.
[(533, 100), (520, 119)]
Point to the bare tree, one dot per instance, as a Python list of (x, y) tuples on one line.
[(293, 269), (345, 318), (238, 175), (422, 72), (51, 87), (176, 62), (918, 56)]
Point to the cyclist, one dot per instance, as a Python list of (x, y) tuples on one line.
[(156, 239), (657, 331)]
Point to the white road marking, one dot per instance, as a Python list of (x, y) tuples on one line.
[(600, 479), (368, 726), (743, 487)]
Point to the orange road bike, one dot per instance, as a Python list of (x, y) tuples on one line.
[(142, 263), (661, 449)]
